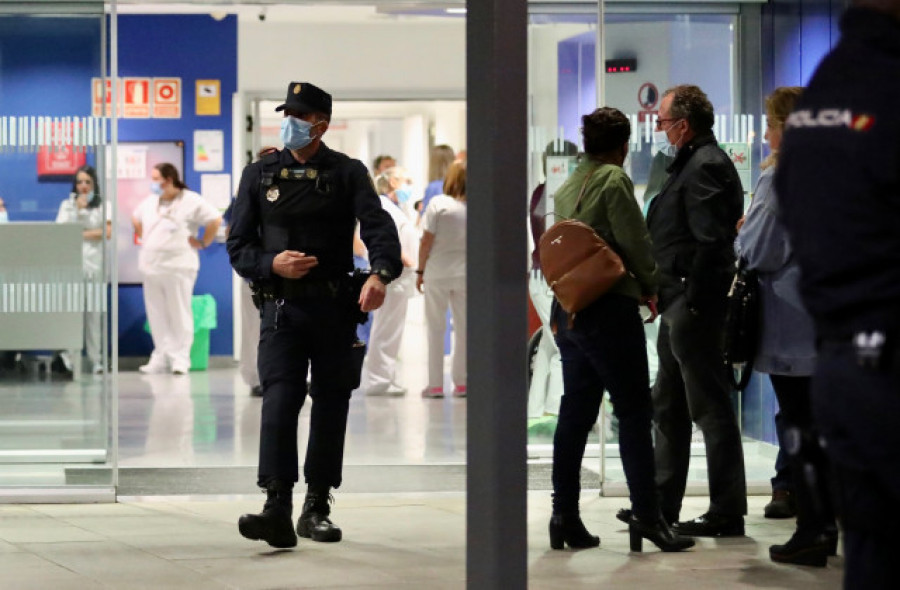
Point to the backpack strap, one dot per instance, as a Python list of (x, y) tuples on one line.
[(584, 187)]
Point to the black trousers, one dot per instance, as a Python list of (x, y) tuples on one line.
[(808, 464), (857, 410), (605, 349), (314, 334), (692, 385)]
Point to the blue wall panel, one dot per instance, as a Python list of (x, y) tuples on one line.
[(38, 77), (796, 35), (190, 47)]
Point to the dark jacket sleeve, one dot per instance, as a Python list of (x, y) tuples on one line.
[(376, 228), (244, 244), (713, 206)]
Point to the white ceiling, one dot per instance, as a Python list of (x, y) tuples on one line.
[(324, 11)]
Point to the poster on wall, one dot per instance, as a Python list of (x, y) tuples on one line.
[(209, 150), (59, 160), (208, 97), (136, 160)]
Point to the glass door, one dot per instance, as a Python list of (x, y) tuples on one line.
[(628, 63), (57, 421)]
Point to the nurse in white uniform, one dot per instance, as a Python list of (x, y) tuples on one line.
[(167, 222), (85, 207), (379, 371)]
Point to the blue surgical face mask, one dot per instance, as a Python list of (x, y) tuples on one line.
[(662, 143), (295, 133), (403, 194), (156, 188), (4, 216)]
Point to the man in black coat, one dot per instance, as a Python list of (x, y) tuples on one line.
[(291, 235), (838, 184), (692, 224)]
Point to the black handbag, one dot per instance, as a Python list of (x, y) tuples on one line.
[(740, 337)]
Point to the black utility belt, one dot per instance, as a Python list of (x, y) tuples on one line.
[(304, 289)]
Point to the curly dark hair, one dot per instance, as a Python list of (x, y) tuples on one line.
[(604, 130), (691, 103)]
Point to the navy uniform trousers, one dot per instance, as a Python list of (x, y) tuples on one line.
[(317, 334), (857, 411)]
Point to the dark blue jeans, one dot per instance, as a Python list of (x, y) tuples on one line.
[(604, 350), (317, 334)]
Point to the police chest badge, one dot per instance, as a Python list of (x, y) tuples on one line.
[(272, 194)]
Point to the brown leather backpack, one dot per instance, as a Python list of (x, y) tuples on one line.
[(578, 264)]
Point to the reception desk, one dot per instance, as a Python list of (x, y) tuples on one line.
[(43, 294)]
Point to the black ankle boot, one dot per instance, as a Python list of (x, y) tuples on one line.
[(804, 549), (659, 533), (567, 529), (314, 522), (274, 524)]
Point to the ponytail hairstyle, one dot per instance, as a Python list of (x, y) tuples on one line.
[(170, 172)]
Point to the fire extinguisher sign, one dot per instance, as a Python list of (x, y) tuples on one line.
[(167, 98)]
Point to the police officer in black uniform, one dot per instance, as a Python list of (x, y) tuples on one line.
[(292, 236), (838, 183)]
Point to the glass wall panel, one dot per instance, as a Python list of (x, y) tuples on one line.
[(645, 52), (56, 404)]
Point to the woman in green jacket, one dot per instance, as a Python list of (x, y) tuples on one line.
[(605, 349)]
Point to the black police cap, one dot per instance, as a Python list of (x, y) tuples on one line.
[(304, 97)]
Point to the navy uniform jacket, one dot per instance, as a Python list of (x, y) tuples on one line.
[(838, 180), (314, 216), (692, 225)]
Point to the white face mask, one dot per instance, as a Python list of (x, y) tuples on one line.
[(662, 143)]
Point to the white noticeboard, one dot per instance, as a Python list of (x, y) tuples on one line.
[(216, 188), (209, 150)]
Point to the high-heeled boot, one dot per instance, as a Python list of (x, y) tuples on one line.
[(274, 524), (657, 532), (567, 529)]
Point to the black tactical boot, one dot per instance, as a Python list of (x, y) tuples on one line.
[(314, 522), (274, 524)]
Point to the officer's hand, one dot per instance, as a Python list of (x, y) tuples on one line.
[(291, 264), (419, 282), (372, 295)]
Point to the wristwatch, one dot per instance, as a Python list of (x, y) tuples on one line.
[(383, 274)]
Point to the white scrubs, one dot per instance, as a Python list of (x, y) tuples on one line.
[(546, 388), (92, 257), (445, 284), (388, 320), (249, 337), (169, 265)]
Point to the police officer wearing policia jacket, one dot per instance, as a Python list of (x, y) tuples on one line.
[(292, 236), (838, 183)]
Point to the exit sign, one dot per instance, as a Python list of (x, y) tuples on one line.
[(616, 66)]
